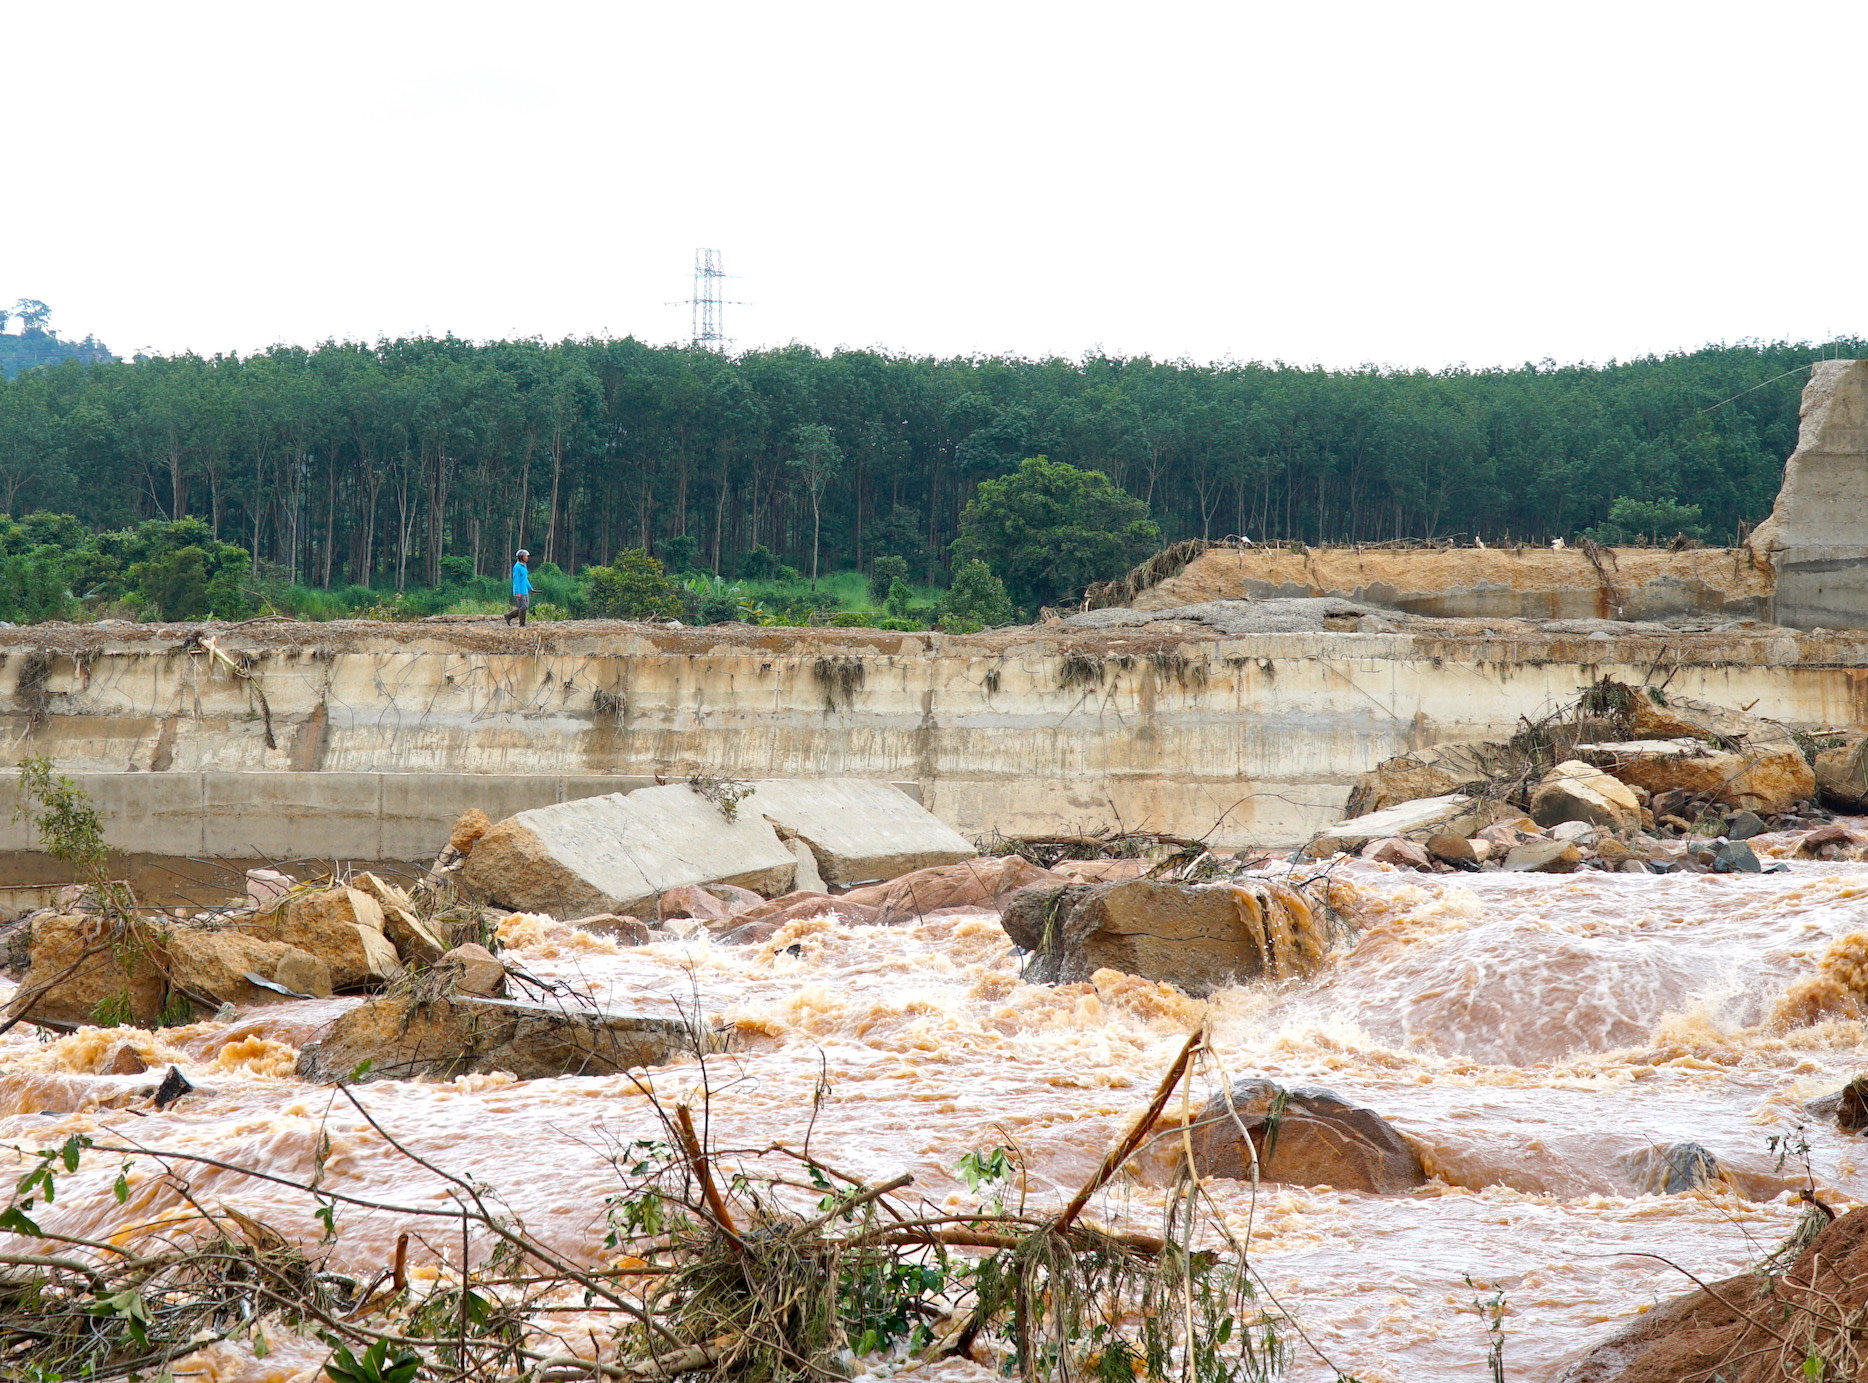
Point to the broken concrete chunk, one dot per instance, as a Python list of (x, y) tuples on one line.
[(403, 1039), (1197, 937), (621, 852), (1462, 766), (264, 885), (1303, 1137), (857, 828), (469, 826), (1576, 791), (1455, 814)]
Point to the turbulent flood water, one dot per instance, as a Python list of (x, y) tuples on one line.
[(1536, 1037)]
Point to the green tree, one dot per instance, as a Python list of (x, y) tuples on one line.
[(1049, 529), (816, 457), (634, 586), (33, 587), (883, 574), (1650, 520), (680, 553), (900, 597), (976, 600)]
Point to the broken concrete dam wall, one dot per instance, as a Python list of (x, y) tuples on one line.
[(363, 741)]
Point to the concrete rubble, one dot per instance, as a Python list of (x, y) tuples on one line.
[(622, 853), (1633, 779)]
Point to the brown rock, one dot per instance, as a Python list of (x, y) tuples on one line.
[(987, 884), (83, 969), (1402, 854), (630, 931), (469, 826), (404, 1039), (125, 1062), (1302, 1137), (343, 927), (1577, 791), (472, 969), (211, 967), (1842, 774), (1455, 849), (1197, 937), (1505, 834), (1544, 857), (691, 900), (1770, 774), (787, 907), (1831, 843)]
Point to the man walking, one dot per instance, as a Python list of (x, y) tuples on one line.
[(521, 589)]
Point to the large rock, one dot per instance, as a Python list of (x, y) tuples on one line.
[(1576, 791), (621, 852), (343, 927), (1771, 773), (1755, 1327), (858, 829), (984, 885), (1842, 774), (1197, 937), (1463, 766), (213, 966), (1454, 814), (86, 970), (1303, 1137), (404, 1038)]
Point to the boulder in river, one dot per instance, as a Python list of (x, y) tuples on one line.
[(1848, 1106), (86, 969), (1543, 857), (1305, 1137), (1577, 791), (1842, 774), (982, 885), (343, 927), (215, 966), (405, 1038), (1197, 937), (1768, 773)]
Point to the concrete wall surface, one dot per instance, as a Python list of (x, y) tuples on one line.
[(364, 741)]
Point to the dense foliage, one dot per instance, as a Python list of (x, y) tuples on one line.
[(355, 465), (36, 344)]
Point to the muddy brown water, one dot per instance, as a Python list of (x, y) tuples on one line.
[(1535, 1037)]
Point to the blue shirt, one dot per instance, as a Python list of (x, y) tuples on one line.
[(521, 579)]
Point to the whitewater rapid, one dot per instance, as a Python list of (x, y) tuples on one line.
[(1535, 1037)]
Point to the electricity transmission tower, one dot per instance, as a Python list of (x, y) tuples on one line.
[(707, 304)]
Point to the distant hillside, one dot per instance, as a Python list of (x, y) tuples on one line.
[(42, 346)]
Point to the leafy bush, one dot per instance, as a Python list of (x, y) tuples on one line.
[(759, 564), (33, 587), (883, 574), (976, 601), (634, 586), (680, 553)]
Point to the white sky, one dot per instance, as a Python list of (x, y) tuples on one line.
[(1410, 184)]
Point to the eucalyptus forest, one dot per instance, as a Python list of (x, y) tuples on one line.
[(370, 464)]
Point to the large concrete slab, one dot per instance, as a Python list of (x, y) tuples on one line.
[(859, 830), (620, 852)]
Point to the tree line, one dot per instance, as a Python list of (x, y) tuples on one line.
[(369, 464)]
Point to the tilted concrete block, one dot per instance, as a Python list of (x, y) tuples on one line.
[(858, 829)]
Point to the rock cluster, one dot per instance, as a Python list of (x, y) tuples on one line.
[(1635, 780)]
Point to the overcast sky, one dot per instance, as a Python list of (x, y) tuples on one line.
[(1406, 184)]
